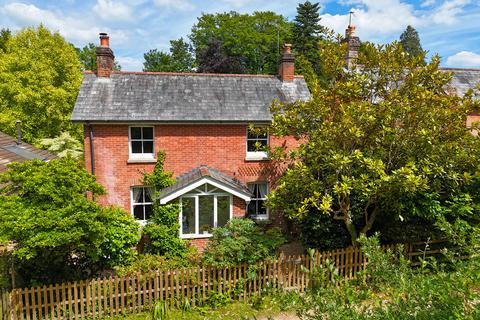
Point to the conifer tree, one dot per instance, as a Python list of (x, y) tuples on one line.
[(307, 32), (411, 42)]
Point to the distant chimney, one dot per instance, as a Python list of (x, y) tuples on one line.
[(286, 70), (105, 57), (18, 124), (353, 45)]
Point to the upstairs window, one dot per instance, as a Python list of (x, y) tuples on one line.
[(141, 142), (256, 142), (256, 208), (142, 202)]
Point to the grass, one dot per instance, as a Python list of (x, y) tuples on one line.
[(237, 310)]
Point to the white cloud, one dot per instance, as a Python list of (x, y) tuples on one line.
[(464, 59), (129, 63), (375, 19), (181, 5), (114, 11), (448, 12)]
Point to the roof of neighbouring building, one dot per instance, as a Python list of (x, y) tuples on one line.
[(10, 152), (183, 97), (197, 174), (463, 79)]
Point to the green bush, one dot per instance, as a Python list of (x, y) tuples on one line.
[(241, 240), (389, 289), (162, 229), (145, 263)]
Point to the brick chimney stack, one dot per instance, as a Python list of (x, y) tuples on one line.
[(353, 45), (286, 70), (105, 57)]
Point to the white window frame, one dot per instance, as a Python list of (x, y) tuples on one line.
[(199, 192), (255, 155), (259, 216), (133, 203), (145, 156)]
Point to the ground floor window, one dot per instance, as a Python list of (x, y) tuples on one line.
[(256, 208), (142, 201), (205, 208)]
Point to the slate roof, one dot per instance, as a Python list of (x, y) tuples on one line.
[(11, 152), (177, 97), (199, 173), (463, 79)]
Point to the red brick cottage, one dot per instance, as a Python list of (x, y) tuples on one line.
[(200, 121)]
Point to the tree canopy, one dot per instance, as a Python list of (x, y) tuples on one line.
[(39, 81), (410, 41), (180, 58), (384, 140), (213, 59), (254, 37), (307, 32), (88, 58), (58, 233)]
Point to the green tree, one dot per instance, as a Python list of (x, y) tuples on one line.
[(410, 41), (213, 59), (5, 34), (64, 146), (180, 58), (256, 37), (386, 140), (39, 82), (307, 33), (58, 233), (88, 58), (163, 228)]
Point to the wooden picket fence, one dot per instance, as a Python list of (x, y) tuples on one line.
[(111, 296)]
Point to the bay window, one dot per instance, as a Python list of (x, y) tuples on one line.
[(203, 209)]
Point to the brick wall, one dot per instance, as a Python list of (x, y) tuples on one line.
[(222, 147)]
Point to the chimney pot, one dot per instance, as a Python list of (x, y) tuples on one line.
[(104, 39), (286, 69)]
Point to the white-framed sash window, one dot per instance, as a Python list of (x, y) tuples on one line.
[(141, 142), (256, 208), (142, 202), (255, 142)]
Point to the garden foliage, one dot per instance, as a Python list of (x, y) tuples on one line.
[(58, 233), (386, 140), (162, 230), (242, 241)]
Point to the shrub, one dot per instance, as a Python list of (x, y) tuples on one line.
[(241, 240), (151, 262), (162, 229)]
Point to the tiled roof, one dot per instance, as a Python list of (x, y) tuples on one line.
[(463, 79), (183, 97), (11, 152), (199, 173)]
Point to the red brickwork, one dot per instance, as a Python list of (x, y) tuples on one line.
[(222, 147)]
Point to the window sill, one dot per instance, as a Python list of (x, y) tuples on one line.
[(256, 156), (141, 160), (196, 236)]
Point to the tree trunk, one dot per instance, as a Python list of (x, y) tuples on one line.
[(352, 230)]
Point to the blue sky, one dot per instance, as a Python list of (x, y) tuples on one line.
[(450, 28)]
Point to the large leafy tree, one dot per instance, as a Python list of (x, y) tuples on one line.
[(386, 139), (39, 81), (307, 32), (88, 58), (180, 58), (410, 41), (256, 37), (214, 59), (57, 232)]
